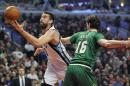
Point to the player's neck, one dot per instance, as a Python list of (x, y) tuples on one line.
[(48, 27), (92, 29)]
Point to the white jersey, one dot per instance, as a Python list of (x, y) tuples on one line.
[(58, 59), (57, 54)]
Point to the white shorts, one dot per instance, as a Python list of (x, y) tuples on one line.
[(52, 75)]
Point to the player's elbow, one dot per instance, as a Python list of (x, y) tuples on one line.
[(107, 45)]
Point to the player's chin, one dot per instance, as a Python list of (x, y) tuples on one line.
[(43, 25)]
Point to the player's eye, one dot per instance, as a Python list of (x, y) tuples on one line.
[(44, 16)]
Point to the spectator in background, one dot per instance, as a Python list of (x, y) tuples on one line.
[(21, 80), (118, 81), (18, 54), (2, 35), (8, 80), (33, 74), (29, 49), (33, 62), (128, 65), (36, 83), (27, 63)]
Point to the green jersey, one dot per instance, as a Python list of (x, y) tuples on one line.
[(86, 47)]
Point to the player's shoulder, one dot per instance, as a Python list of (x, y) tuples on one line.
[(79, 33), (52, 29), (99, 35)]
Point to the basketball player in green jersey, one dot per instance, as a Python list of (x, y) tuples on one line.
[(79, 71)]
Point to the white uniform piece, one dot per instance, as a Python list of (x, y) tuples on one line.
[(58, 59)]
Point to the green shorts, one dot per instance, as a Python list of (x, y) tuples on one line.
[(79, 75)]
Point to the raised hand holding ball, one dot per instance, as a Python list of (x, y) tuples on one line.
[(12, 13)]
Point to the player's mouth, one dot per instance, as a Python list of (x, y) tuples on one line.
[(41, 23)]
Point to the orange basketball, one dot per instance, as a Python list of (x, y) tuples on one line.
[(12, 13)]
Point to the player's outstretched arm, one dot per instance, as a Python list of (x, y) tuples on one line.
[(37, 42), (66, 40), (25, 34), (114, 43)]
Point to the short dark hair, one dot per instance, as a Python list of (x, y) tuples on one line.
[(50, 14), (94, 21), (21, 66)]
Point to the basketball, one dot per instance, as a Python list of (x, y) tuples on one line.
[(12, 13)]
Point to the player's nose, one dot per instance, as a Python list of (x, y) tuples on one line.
[(41, 19)]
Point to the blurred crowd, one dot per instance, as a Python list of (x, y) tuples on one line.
[(104, 6), (112, 67)]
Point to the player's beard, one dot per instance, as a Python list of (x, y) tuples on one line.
[(43, 25)]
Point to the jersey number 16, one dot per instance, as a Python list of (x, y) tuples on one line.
[(81, 48)]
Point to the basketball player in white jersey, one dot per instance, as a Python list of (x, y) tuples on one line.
[(58, 58)]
